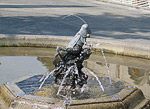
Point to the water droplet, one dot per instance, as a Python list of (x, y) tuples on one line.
[(116, 98), (67, 102), (21, 95), (32, 74), (112, 76), (10, 82), (131, 86)]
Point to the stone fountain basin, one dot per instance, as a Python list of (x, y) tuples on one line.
[(13, 96)]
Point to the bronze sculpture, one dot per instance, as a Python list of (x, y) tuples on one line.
[(72, 56)]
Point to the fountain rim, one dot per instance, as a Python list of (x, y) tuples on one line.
[(51, 41)]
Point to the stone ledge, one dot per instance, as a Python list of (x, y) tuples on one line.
[(110, 46)]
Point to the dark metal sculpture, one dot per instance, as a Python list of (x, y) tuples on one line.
[(71, 58)]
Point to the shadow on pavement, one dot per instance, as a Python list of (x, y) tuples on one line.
[(105, 25)]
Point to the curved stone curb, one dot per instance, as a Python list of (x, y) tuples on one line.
[(110, 46)]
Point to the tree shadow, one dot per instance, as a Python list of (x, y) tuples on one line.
[(120, 27), (105, 25)]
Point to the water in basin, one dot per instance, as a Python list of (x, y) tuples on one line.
[(18, 62)]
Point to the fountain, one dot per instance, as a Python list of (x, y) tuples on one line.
[(71, 85), (69, 63)]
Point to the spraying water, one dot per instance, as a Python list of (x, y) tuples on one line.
[(107, 66), (106, 63), (46, 76), (61, 85), (75, 16), (101, 86), (83, 88)]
